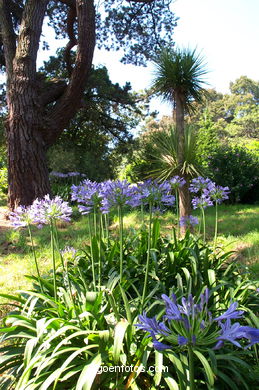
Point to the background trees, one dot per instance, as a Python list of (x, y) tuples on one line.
[(39, 108)]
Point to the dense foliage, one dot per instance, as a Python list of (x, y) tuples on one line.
[(136, 302)]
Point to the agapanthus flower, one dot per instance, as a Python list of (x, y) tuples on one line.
[(152, 326), (251, 334), (177, 182), (47, 210), (172, 309), (217, 193), (231, 312), (22, 216), (88, 195), (190, 323), (116, 194), (58, 174), (68, 253), (73, 174), (189, 221), (202, 202), (154, 194), (229, 332), (199, 184)]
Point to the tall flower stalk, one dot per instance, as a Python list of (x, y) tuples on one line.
[(148, 256), (52, 240), (218, 194), (177, 182), (24, 217)]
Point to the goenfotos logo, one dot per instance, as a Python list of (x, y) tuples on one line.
[(131, 368)]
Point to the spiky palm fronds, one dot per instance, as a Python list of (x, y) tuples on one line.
[(166, 154), (179, 71)]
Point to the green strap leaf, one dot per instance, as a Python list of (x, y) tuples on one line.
[(206, 366), (89, 373)]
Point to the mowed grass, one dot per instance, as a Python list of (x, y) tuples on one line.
[(238, 230)]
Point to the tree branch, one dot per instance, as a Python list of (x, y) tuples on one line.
[(69, 3), (8, 36), (51, 91), (68, 104), (71, 17)]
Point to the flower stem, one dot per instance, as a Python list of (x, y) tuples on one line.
[(34, 256), (53, 259), (191, 368), (148, 258), (91, 251), (204, 225), (121, 240), (177, 212), (216, 225), (57, 244)]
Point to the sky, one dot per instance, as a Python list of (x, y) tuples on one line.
[(225, 32)]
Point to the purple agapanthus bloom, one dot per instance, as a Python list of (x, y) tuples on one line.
[(199, 184), (177, 182), (229, 332), (22, 216), (88, 194), (184, 341), (172, 309), (58, 174), (217, 193), (47, 210), (189, 221), (251, 334), (160, 346), (69, 252), (154, 194), (73, 174), (202, 202), (152, 326), (231, 312), (116, 194)]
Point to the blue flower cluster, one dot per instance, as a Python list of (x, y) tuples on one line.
[(209, 192), (41, 212), (66, 175), (108, 195), (191, 323)]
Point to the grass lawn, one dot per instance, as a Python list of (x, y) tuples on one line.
[(238, 230)]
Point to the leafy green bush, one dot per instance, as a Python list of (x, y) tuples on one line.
[(238, 169), (3, 182)]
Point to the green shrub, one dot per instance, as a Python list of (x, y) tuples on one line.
[(3, 182), (238, 169)]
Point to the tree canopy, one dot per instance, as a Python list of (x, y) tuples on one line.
[(41, 108)]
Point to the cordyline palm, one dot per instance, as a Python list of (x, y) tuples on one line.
[(179, 79)]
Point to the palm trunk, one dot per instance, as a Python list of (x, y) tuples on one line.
[(184, 193)]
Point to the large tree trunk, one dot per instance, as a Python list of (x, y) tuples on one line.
[(32, 124), (184, 193), (27, 170)]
